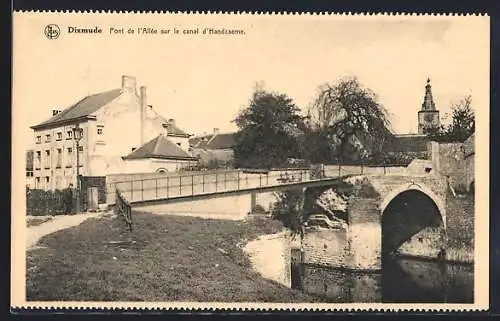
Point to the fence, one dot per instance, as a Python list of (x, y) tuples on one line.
[(123, 207), (199, 183)]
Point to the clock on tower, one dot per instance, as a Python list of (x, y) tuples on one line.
[(428, 116)]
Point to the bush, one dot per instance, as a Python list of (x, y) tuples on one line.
[(40, 202)]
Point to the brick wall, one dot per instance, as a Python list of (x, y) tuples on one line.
[(325, 247), (363, 210), (340, 286)]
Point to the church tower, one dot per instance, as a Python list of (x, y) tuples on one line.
[(428, 116)]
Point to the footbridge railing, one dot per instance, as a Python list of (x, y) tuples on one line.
[(202, 183), (123, 208), (199, 183)]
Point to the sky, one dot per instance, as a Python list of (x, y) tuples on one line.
[(203, 81)]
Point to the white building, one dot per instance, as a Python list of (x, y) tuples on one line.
[(114, 122)]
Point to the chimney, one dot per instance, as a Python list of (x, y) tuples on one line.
[(216, 131), (144, 106), (128, 84), (55, 112)]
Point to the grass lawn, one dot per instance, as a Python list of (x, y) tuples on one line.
[(165, 258)]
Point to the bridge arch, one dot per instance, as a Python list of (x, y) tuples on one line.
[(417, 187), (413, 213)]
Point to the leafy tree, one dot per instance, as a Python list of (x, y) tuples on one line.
[(462, 123), (345, 111), (270, 130)]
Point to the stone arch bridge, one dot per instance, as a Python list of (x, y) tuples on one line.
[(384, 214)]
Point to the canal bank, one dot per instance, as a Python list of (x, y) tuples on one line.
[(402, 279)]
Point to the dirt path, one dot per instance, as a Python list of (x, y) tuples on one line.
[(59, 222)]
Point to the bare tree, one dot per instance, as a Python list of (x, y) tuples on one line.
[(346, 109)]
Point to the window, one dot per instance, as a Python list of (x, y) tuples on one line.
[(69, 134), (38, 160), (37, 182), (58, 182), (133, 148), (59, 136), (47, 159), (29, 173), (59, 157), (38, 139), (179, 144), (80, 149), (47, 138), (47, 182), (99, 131), (70, 156)]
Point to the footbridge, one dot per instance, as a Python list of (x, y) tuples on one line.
[(387, 209)]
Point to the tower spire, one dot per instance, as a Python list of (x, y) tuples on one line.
[(428, 103)]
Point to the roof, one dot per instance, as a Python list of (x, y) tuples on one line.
[(174, 130), (29, 160), (409, 143), (222, 141), (160, 147), (81, 109), (214, 141)]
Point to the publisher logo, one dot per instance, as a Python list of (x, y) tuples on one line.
[(52, 31)]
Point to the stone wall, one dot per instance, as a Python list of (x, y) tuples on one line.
[(427, 244), (226, 207), (270, 255), (450, 161), (460, 228)]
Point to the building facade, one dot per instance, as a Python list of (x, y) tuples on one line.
[(114, 123), (214, 149)]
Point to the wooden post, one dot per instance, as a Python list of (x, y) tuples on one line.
[(142, 190), (339, 170), (260, 180), (192, 185), (216, 176), (156, 188), (203, 182), (131, 190), (180, 185), (168, 187), (225, 179), (239, 180)]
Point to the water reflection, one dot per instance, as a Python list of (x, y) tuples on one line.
[(400, 281)]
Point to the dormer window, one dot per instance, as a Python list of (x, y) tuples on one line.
[(69, 134), (59, 136), (38, 139), (47, 138)]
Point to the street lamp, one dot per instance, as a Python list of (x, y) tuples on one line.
[(77, 136)]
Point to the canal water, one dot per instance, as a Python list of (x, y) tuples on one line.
[(402, 280)]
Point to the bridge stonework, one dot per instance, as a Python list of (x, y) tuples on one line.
[(359, 246)]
